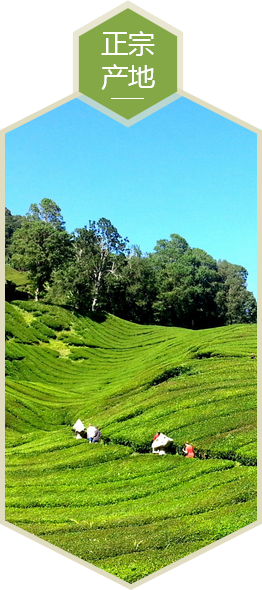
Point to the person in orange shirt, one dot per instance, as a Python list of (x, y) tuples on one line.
[(189, 450), (156, 436)]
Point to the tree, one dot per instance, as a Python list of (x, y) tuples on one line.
[(98, 253), (47, 211), (131, 294), (204, 283), (238, 305), (71, 285), (250, 308), (187, 282), (109, 246), (40, 248), (74, 283), (169, 251), (94, 269), (12, 222)]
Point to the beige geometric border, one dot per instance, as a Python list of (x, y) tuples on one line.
[(149, 111), (74, 94), (77, 94), (188, 558), (65, 554), (117, 580), (180, 91), (129, 122)]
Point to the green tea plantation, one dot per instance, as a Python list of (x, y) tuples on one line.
[(115, 504)]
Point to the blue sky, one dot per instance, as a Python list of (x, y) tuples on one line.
[(183, 170)]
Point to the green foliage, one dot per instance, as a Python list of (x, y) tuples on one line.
[(188, 284), (39, 248), (82, 282), (131, 292), (13, 351), (24, 328), (57, 323), (43, 328), (48, 212), (35, 306), (71, 338), (247, 454), (21, 332), (12, 223), (238, 303), (20, 279), (94, 270)]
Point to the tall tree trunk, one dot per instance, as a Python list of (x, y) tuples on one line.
[(97, 286), (36, 294), (103, 256)]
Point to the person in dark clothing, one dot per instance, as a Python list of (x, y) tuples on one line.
[(97, 436)]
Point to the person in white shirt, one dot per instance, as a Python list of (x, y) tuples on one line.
[(90, 432)]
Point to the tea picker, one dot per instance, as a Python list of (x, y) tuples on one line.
[(189, 450), (161, 443), (79, 429)]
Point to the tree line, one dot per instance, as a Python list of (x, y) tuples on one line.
[(94, 269)]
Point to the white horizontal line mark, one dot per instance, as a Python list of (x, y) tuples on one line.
[(142, 98)]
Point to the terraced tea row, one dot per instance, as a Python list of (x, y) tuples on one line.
[(209, 397)]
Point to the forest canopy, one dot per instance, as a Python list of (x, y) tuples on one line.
[(95, 269)]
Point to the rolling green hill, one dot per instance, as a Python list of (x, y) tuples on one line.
[(114, 504)]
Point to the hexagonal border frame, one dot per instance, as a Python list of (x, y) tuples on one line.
[(75, 4)]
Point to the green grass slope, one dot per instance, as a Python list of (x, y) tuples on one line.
[(114, 504)]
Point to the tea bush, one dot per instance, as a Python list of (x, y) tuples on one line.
[(56, 323)]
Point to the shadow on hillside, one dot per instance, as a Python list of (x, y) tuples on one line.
[(169, 374), (96, 316), (217, 355), (12, 292), (176, 449)]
